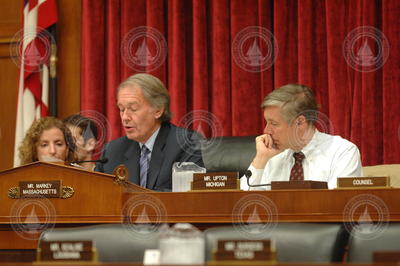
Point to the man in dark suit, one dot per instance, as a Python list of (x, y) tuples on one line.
[(152, 144)]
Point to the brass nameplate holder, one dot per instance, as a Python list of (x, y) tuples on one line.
[(46, 189), (62, 251), (244, 252), (306, 184), (215, 181), (363, 182), (120, 174)]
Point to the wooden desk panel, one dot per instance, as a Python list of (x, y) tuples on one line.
[(291, 205), (98, 199)]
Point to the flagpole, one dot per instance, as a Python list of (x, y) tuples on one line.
[(53, 72)]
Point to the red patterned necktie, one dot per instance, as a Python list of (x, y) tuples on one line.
[(297, 173)]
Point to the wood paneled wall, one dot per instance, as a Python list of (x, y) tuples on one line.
[(68, 68), (10, 24), (69, 57)]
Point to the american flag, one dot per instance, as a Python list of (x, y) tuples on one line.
[(34, 54)]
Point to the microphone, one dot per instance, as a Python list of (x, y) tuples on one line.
[(103, 160), (248, 174)]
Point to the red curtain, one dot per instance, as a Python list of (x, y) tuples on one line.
[(202, 72)]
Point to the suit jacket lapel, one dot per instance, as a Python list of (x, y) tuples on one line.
[(132, 156), (157, 155)]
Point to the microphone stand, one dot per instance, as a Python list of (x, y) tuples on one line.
[(248, 174)]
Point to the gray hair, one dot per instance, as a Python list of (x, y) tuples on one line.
[(295, 100), (153, 90)]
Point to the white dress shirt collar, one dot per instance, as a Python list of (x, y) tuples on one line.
[(310, 147), (150, 142)]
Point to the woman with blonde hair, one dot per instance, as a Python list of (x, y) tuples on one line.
[(48, 139)]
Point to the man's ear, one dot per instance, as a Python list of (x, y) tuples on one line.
[(301, 120), (90, 145), (158, 113)]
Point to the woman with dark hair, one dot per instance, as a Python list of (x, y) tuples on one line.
[(84, 133), (48, 139)]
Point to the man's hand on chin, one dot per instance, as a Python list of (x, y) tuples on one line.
[(266, 149)]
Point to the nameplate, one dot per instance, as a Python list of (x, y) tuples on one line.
[(216, 181), (244, 250), (42, 189), (386, 256), (66, 251), (306, 184), (47, 189), (363, 182)]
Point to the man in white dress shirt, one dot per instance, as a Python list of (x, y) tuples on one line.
[(291, 147)]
